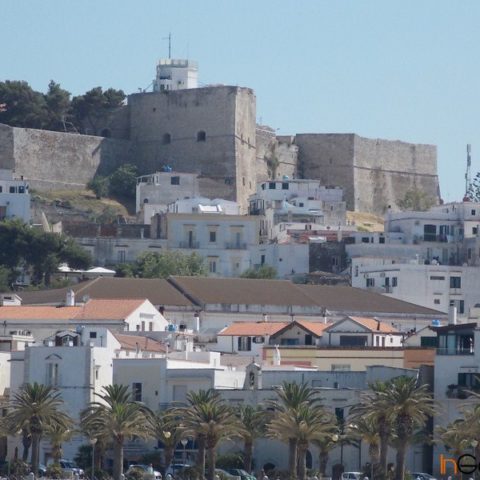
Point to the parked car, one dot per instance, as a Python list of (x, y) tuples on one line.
[(421, 476), (352, 476), (224, 475), (145, 469), (243, 474), (42, 470), (69, 468), (176, 468)]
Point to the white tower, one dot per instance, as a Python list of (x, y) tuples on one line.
[(175, 74)]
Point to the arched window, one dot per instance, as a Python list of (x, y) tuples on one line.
[(166, 139), (201, 136)]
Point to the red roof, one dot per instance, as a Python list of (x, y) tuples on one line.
[(239, 329), (145, 344), (38, 313)]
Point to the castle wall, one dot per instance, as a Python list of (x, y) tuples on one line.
[(385, 170), (55, 160), (329, 158)]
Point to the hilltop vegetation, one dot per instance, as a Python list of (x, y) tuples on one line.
[(21, 106)]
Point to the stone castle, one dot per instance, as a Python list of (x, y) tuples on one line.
[(212, 131)]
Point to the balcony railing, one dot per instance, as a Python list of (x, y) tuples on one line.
[(189, 245), (235, 246), (455, 351)]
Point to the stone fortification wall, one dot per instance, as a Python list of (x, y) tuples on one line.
[(328, 158), (385, 170), (374, 173), (53, 160)]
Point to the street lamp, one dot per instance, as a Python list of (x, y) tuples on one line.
[(184, 442), (93, 441)]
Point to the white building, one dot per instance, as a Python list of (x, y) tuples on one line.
[(14, 197), (175, 74)]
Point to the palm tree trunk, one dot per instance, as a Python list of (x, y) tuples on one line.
[(323, 461), (35, 452), (292, 458), (212, 457), (302, 468), (26, 443), (168, 453), (200, 463), (248, 455), (400, 460), (383, 434), (117, 460)]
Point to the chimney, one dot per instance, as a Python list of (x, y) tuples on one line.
[(378, 325), (70, 298), (265, 317), (196, 322), (452, 315)]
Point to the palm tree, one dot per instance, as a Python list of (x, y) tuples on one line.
[(297, 413), (410, 407), (374, 408), (365, 429), (168, 432), (325, 445), (36, 408), (209, 419), (252, 423), (58, 434), (117, 417)]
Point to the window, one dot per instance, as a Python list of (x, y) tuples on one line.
[(455, 282), (394, 281), (272, 185), (213, 237), (1, 189), (150, 326), (52, 374), (365, 240), (353, 340), (436, 277), (370, 282), (429, 233), (262, 259), (428, 341), (201, 136), (356, 270), (474, 230), (381, 240), (461, 306), (93, 334), (21, 189), (387, 281), (285, 186), (212, 266), (137, 392), (166, 139), (175, 181), (471, 380), (143, 325), (340, 367), (308, 339), (12, 189), (436, 301), (473, 212), (244, 344), (121, 256)]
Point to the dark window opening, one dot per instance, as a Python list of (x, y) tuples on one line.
[(455, 282), (285, 186), (272, 186), (429, 233), (137, 392), (166, 139), (175, 181), (201, 136)]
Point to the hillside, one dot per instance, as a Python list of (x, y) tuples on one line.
[(366, 222)]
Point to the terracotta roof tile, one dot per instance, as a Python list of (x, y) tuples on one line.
[(316, 328), (239, 329), (108, 309), (145, 344), (375, 325), (37, 313)]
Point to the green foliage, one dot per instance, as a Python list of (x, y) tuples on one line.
[(39, 252), (54, 470), (474, 189), (265, 272), (123, 270), (123, 181), (230, 460), (20, 468), (135, 474), (99, 185), (83, 457), (416, 200), (169, 262), (4, 279)]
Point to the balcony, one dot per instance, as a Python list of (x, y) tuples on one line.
[(235, 246), (187, 244), (455, 351)]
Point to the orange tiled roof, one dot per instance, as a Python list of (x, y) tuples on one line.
[(38, 313), (108, 309), (95, 309), (375, 325), (316, 328), (239, 329), (145, 344)]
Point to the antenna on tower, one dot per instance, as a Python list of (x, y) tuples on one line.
[(468, 177), (169, 38)]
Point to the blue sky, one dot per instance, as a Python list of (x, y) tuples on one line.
[(406, 69)]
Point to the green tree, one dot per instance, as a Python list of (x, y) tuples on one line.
[(57, 102), (297, 414), (410, 406), (474, 189), (4, 279), (167, 263), (210, 420), (59, 434), (263, 272), (92, 109), (416, 200), (36, 408), (252, 426), (23, 106), (117, 417), (100, 186), (123, 181)]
